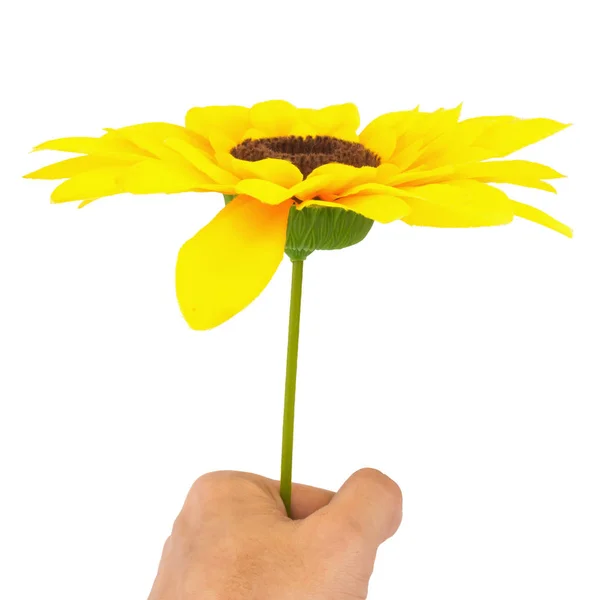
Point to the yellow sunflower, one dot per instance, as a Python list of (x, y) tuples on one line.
[(298, 179)]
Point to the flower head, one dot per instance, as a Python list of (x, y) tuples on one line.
[(299, 179)]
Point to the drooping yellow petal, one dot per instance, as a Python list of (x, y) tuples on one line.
[(278, 171), (75, 166), (228, 263), (537, 216), (153, 176), (201, 161), (379, 207), (265, 191), (458, 204), (230, 121), (517, 172), (312, 186), (341, 177), (90, 185), (370, 189), (274, 117), (321, 203)]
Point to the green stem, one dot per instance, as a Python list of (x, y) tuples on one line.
[(287, 445)]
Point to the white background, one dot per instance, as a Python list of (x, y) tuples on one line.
[(463, 363)]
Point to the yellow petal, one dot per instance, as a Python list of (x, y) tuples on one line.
[(372, 188), (503, 135), (458, 204), (221, 142), (419, 132), (230, 121), (379, 207), (228, 263), (221, 188), (75, 166), (537, 216), (440, 121), (150, 138), (339, 120), (342, 177), (155, 177), (341, 116), (426, 127), (516, 172), (201, 161), (78, 145), (274, 118), (406, 155), (345, 133), (380, 135), (254, 134), (321, 203), (90, 185), (386, 172), (423, 177), (278, 171), (311, 186), (157, 131), (265, 191), (454, 146), (303, 129), (109, 144)]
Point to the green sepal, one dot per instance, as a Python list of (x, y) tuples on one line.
[(321, 228), (228, 198)]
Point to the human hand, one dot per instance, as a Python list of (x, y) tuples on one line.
[(233, 539)]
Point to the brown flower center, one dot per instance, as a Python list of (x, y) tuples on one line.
[(307, 153)]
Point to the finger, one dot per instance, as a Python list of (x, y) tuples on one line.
[(368, 504), (307, 500)]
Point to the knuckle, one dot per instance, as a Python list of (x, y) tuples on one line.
[(206, 484)]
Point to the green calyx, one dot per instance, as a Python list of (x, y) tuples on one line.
[(321, 228)]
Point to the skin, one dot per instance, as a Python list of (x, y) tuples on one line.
[(233, 539)]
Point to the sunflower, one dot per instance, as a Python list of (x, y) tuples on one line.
[(296, 180)]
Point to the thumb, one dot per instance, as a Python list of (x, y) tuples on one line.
[(368, 504)]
